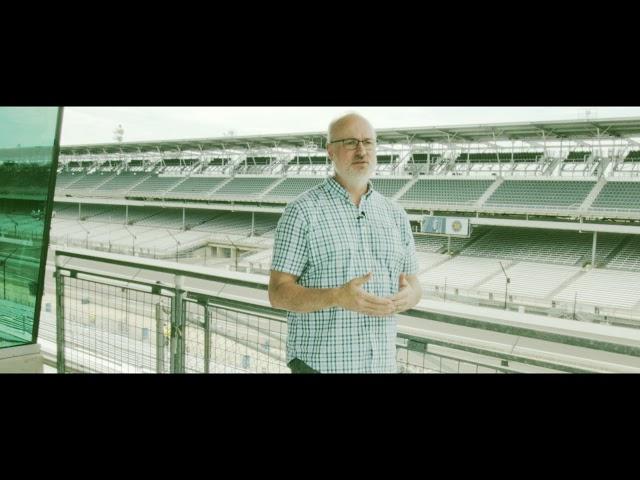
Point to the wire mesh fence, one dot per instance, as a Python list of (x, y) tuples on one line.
[(121, 329), (113, 328), (109, 321)]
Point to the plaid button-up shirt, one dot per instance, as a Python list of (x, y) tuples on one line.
[(324, 239)]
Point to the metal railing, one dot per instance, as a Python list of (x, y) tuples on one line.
[(580, 308), (116, 313)]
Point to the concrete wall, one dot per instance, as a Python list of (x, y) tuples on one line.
[(22, 359)]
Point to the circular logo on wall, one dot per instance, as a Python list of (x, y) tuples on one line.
[(456, 225)]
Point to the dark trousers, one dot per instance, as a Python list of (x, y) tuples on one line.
[(298, 366)]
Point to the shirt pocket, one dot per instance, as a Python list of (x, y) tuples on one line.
[(331, 255), (389, 249)]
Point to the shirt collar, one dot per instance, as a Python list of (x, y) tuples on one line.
[(334, 187)]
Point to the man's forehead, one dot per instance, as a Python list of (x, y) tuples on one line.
[(355, 126)]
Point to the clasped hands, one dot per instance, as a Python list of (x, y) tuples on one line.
[(351, 296)]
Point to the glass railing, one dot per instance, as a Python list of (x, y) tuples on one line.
[(29, 145)]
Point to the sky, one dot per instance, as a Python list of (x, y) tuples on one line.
[(87, 125), (27, 126)]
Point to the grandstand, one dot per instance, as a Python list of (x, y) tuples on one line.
[(554, 204), (536, 194), (26, 180)]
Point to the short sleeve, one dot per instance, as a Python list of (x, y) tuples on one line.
[(291, 246)]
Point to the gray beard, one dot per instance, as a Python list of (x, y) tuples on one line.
[(356, 183)]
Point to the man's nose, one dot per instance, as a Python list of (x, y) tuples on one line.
[(360, 148)]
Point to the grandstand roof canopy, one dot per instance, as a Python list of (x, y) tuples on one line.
[(554, 130)]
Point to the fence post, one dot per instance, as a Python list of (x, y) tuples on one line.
[(160, 339), (207, 338), (60, 344), (177, 327)]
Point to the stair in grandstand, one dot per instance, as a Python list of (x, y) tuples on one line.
[(221, 185), (67, 180), (628, 258), (203, 220), (154, 186), (507, 264), (565, 284), (177, 185), (623, 196), (147, 217), (266, 192), (552, 166), (86, 184), (196, 187), (428, 261), (476, 234), (610, 243), (593, 194), (485, 196), (404, 189), (290, 188), (625, 241), (244, 188), (399, 166), (389, 186), (119, 185)]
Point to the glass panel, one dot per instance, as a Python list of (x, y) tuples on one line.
[(29, 145)]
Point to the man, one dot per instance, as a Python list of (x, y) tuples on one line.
[(344, 264)]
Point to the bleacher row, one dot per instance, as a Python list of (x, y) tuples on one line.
[(150, 230), (547, 269), (557, 247), (16, 322), (534, 281), (21, 226), (542, 264), (540, 246), (198, 220), (529, 157), (494, 157), (478, 269), (561, 283), (534, 194)]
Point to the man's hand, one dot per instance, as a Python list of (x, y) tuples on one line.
[(352, 297), (408, 295)]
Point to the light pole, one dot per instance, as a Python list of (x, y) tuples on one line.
[(15, 224), (235, 252), (177, 244), (133, 240), (86, 243), (506, 284)]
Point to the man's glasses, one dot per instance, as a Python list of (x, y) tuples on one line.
[(352, 143)]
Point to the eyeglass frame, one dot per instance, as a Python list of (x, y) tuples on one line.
[(372, 146)]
